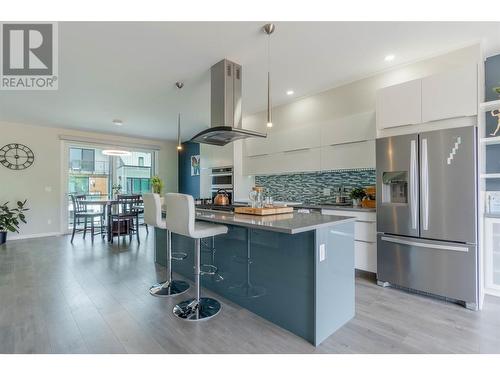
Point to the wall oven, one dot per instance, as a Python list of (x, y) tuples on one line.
[(222, 178)]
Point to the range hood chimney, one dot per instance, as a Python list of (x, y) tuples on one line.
[(225, 111)]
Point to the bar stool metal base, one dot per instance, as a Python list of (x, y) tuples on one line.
[(166, 289), (190, 311)]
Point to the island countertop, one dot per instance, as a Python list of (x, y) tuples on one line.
[(290, 223)]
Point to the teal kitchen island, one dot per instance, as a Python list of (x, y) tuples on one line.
[(295, 270)]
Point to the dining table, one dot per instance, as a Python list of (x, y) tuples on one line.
[(107, 207)]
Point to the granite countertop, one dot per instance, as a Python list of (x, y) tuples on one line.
[(291, 223), (320, 206), (333, 207)]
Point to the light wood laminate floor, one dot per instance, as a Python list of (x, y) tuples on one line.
[(61, 298)]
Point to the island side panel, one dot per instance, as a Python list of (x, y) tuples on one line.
[(276, 284), (334, 279)]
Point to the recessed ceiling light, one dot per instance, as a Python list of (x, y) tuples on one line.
[(290, 92), (389, 57), (117, 122)]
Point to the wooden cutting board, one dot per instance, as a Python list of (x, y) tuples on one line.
[(263, 211)]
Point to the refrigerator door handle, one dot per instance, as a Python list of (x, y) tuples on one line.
[(425, 245), (425, 185), (413, 184)]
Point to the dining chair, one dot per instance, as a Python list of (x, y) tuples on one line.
[(80, 211), (126, 213)]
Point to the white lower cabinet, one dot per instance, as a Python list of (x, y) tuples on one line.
[(365, 256), (365, 238)]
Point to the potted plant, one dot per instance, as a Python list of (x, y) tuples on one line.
[(356, 195), (10, 219), (116, 189), (156, 184)]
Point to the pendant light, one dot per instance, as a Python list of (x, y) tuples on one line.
[(179, 85), (269, 29)]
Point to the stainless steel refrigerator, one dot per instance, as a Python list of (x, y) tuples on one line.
[(427, 213)]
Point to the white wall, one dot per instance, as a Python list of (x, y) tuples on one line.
[(41, 183), (359, 97)]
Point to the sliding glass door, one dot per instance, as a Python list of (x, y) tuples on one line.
[(92, 173)]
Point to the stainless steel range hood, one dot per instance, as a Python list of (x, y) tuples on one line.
[(225, 111)]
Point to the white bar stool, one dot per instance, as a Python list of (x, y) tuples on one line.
[(152, 216), (182, 221)]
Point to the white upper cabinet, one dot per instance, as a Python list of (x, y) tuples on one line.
[(358, 127), (450, 94), (441, 96), (296, 138), (399, 105), (216, 156), (259, 146), (349, 155), (303, 160)]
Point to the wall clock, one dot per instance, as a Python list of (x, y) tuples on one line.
[(16, 156)]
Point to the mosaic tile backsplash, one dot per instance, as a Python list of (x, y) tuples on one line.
[(308, 187)]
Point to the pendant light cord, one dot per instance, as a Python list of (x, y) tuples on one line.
[(269, 112), (179, 85)]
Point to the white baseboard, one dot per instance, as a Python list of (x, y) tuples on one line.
[(492, 292), (28, 236)]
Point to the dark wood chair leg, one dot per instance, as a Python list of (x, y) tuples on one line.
[(147, 229), (92, 229), (85, 227), (137, 229), (119, 230), (74, 228), (102, 227), (130, 225)]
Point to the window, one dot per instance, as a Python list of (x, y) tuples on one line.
[(138, 185), (82, 159), (141, 161), (78, 185)]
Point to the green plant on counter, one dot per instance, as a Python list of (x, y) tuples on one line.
[(157, 184), (357, 193), (10, 218)]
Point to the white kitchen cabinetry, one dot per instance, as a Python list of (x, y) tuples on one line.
[(259, 146), (353, 128), (348, 156), (216, 156), (450, 94), (446, 95), (399, 105), (492, 255), (296, 138), (303, 160), (365, 238)]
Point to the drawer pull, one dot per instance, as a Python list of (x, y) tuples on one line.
[(426, 245)]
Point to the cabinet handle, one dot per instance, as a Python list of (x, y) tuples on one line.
[(351, 142), (298, 149), (258, 155)]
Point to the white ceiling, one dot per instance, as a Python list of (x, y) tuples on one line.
[(127, 70)]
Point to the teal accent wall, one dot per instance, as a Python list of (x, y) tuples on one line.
[(188, 184)]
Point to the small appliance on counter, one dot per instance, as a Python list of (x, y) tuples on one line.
[(221, 198)]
